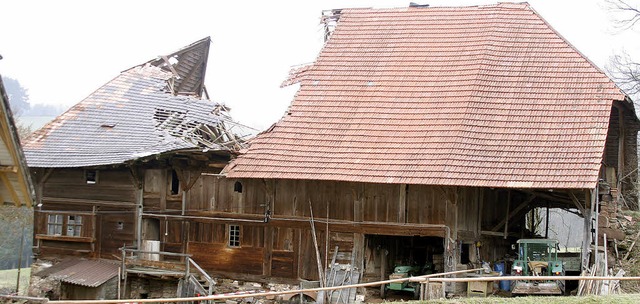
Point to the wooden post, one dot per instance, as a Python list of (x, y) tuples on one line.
[(268, 251), (402, 204), (621, 155), (20, 260), (586, 239), (546, 225), (428, 290), (506, 222), (383, 269), (315, 244)]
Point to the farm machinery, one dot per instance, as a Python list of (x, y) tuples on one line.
[(537, 257), (406, 271)]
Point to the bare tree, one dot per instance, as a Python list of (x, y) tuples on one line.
[(623, 69), (627, 14)]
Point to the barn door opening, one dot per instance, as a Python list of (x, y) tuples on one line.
[(413, 255), (151, 229)]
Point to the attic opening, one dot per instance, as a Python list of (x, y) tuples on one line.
[(175, 183), (237, 187), (91, 176)]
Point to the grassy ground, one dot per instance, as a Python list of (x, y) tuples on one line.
[(618, 299), (8, 280)]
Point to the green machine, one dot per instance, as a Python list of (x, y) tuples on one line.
[(405, 271), (537, 257)]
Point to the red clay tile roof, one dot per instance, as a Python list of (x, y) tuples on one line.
[(485, 96)]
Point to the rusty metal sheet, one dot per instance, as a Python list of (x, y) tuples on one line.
[(89, 273)]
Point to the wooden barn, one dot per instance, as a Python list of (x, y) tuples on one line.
[(420, 135), (426, 135)]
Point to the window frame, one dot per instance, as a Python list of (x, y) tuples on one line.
[(91, 177), (64, 225), (74, 225), (57, 224), (234, 235)]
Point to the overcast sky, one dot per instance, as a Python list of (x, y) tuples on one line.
[(61, 51)]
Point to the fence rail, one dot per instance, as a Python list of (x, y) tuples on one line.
[(421, 279)]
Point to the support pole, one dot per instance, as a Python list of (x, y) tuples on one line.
[(546, 225), (315, 244), (596, 215), (139, 212), (506, 222), (20, 260)]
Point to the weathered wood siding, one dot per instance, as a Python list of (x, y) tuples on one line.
[(107, 208)]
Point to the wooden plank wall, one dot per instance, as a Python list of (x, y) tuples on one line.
[(284, 246), (112, 198)]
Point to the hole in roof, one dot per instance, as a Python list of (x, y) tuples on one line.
[(108, 125)]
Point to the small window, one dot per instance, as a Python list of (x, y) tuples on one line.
[(120, 225), (74, 225), (175, 183), (234, 236), (237, 187), (91, 176), (54, 224)]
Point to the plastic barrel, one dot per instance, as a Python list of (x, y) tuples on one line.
[(499, 267)]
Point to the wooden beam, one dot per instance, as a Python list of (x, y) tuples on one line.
[(11, 169), (495, 233), (576, 202), (12, 191), (621, 154), (402, 204), (506, 223), (514, 212)]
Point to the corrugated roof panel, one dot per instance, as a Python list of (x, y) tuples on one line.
[(90, 273)]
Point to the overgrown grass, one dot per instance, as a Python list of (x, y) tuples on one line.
[(618, 299), (8, 280)]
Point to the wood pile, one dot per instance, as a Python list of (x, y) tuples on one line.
[(599, 287)]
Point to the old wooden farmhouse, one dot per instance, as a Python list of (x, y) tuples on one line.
[(420, 135), (136, 145)]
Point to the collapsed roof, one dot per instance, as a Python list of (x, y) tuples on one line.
[(146, 110), (487, 96)]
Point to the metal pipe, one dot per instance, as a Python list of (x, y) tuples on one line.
[(139, 211), (594, 201)]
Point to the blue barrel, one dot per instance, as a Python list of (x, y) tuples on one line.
[(499, 267)]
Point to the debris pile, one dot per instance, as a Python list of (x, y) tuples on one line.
[(628, 256)]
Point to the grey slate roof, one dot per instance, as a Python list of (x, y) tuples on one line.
[(130, 117)]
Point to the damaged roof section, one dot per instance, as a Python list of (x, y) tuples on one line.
[(189, 65), (133, 116)]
